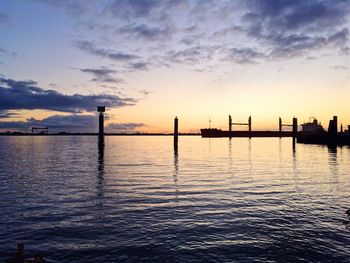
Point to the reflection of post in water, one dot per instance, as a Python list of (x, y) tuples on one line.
[(294, 145), (230, 157), (175, 211), (100, 165), (333, 165), (295, 131), (101, 152), (295, 171), (250, 156), (176, 132), (176, 166)]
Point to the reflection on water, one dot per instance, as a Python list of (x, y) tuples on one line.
[(176, 167), (100, 165), (333, 167), (135, 199)]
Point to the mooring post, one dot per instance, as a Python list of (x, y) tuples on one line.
[(101, 124), (176, 131), (295, 127), (295, 131), (280, 126), (230, 125), (101, 110), (250, 126)]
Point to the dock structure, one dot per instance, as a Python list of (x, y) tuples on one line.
[(281, 125), (230, 124), (212, 132)]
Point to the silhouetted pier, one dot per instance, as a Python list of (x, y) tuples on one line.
[(213, 132)]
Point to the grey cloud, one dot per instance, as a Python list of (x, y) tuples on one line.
[(125, 126), (244, 55), (90, 48), (294, 45), (82, 123), (145, 92), (138, 66), (102, 74), (340, 67), (69, 123), (228, 32), (291, 15), (27, 95), (72, 7), (147, 32), (153, 9), (191, 55), (293, 28)]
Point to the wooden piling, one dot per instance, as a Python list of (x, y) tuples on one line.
[(250, 126), (176, 132), (295, 127)]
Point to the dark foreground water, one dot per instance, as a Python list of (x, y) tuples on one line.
[(137, 200)]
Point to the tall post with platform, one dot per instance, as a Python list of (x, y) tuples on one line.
[(101, 110)]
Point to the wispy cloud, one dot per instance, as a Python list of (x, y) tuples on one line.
[(7, 52), (125, 126), (102, 74), (244, 55), (90, 48), (146, 32), (340, 67)]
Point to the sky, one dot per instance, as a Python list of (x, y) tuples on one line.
[(148, 61)]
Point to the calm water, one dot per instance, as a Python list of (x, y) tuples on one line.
[(136, 200)]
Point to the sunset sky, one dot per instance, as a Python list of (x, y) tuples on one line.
[(149, 61)]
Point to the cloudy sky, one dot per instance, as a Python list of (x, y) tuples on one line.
[(149, 61)]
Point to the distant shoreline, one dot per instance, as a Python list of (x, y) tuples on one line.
[(96, 134)]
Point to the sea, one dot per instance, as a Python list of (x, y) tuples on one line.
[(142, 199)]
